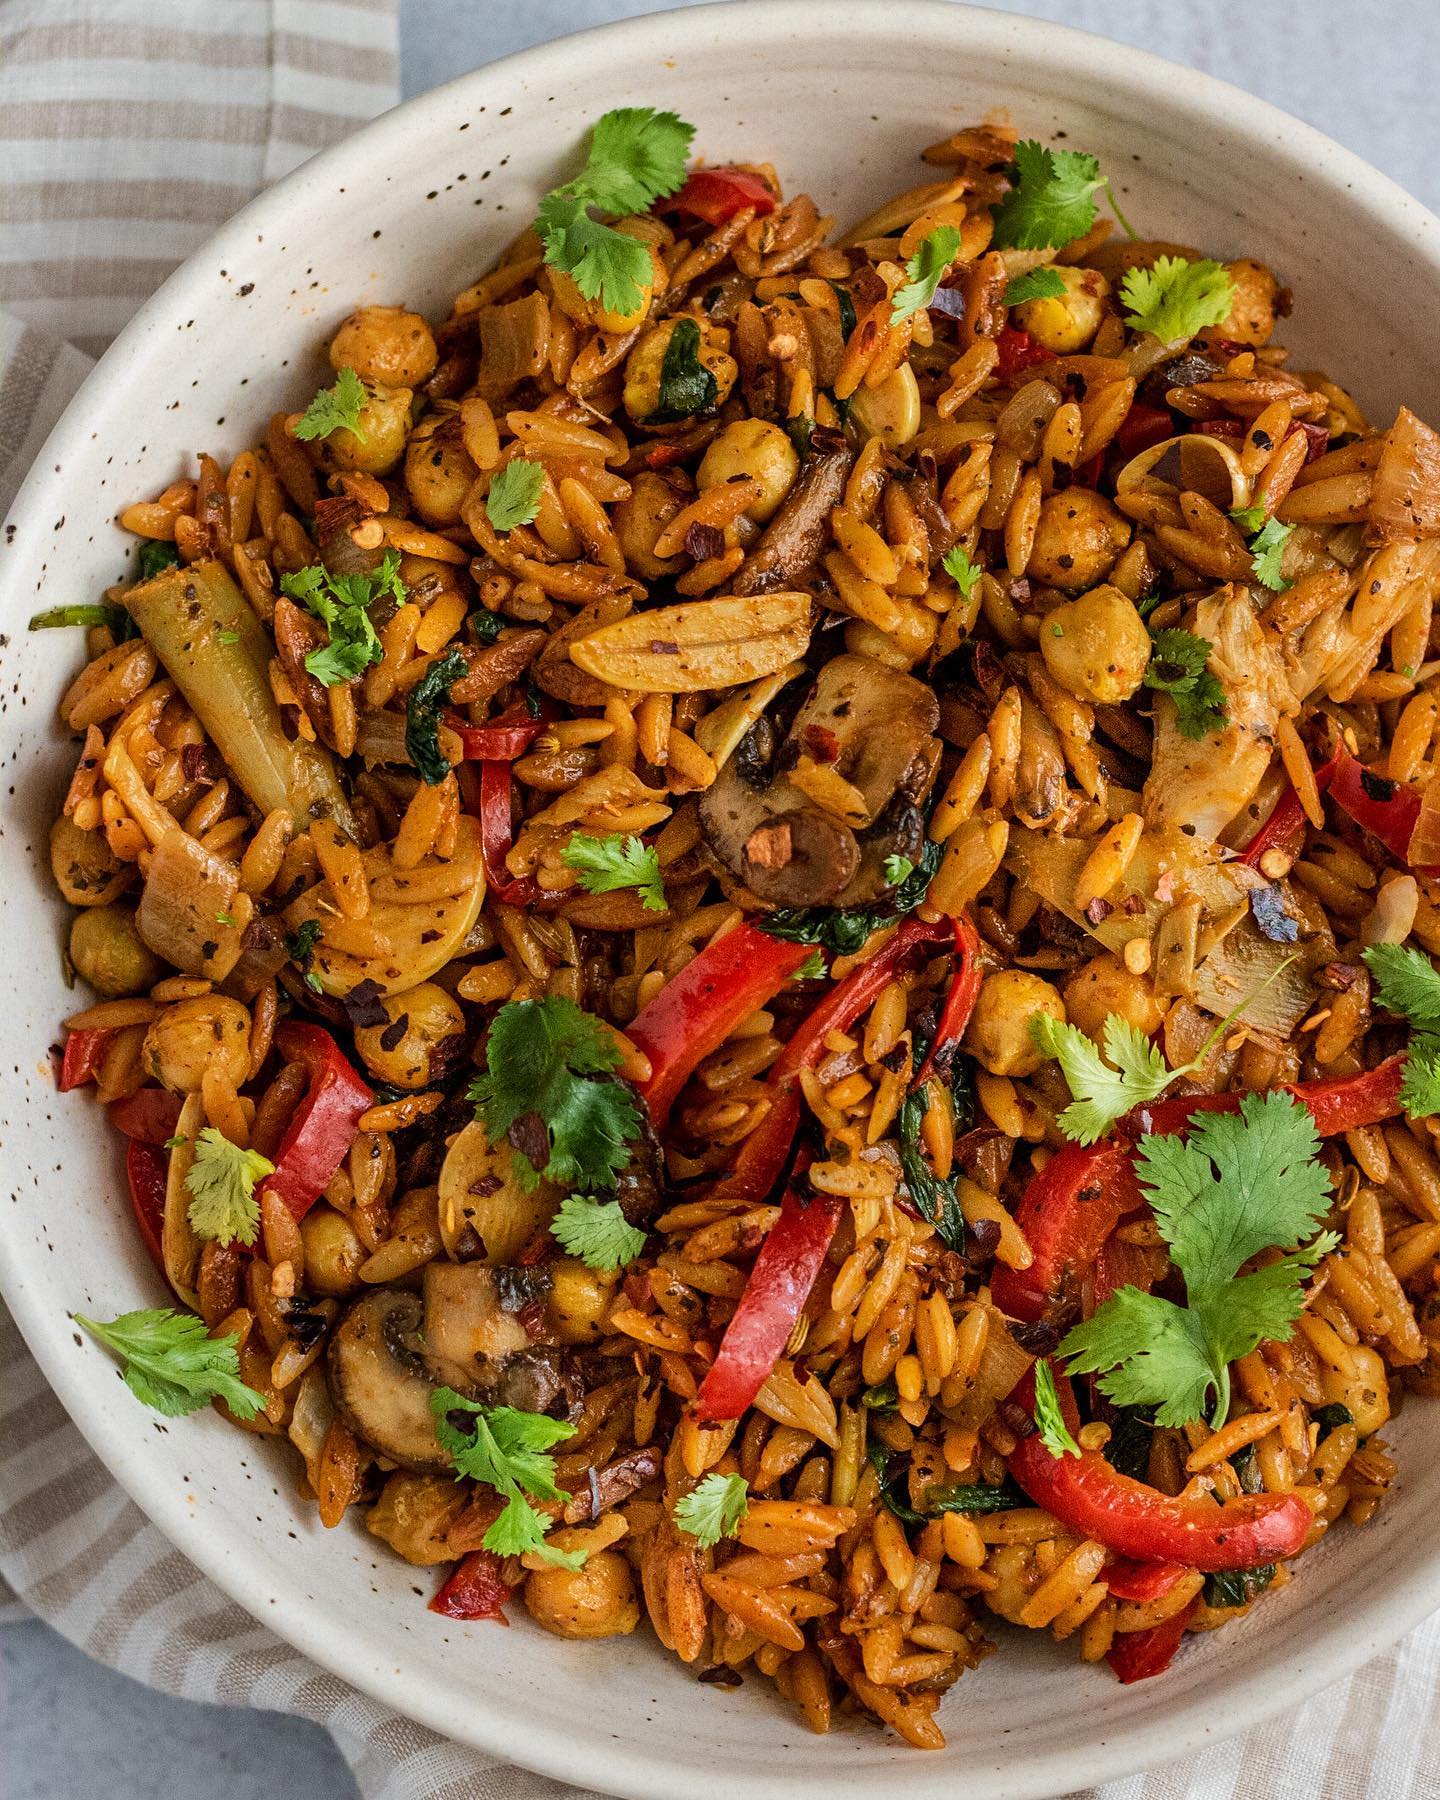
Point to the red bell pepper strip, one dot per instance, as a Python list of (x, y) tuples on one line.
[(716, 195), (762, 1155), (84, 1052), (323, 1125), (1137, 1655), (1341, 1103), (697, 1010), (1121, 1265), (488, 796), (147, 1171), (1285, 828), (1018, 352), (1066, 1213), (780, 1282), (474, 1589), (960, 998), (1140, 1582), (502, 739), (1137, 1521), (149, 1114), (1388, 809), (1142, 428)]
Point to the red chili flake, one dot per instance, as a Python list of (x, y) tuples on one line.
[(822, 743)]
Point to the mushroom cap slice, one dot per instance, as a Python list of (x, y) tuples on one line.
[(479, 1189), (786, 851), (380, 1382)]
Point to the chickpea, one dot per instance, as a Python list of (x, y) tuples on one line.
[(891, 411), (1259, 301), (1366, 1393), (1103, 986), (590, 312), (653, 502), (579, 1299), (438, 472), (756, 448), (86, 871), (1096, 647), (386, 346), (379, 442), (333, 1253), (998, 1036), (1077, 539), (108, 952), (195, 1035), (1066, 322), (645, 364), (595, 1601), (420, 1020)]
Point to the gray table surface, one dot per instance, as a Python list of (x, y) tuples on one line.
[(1359, 69)]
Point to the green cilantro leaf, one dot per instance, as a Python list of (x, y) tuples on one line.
[(714, 1508), (1052, 201), (173, 1364), (596, 1231), (300, 943), (812, 969), (1135, 1072), (1035, 284), (424, 706), (616, 861), (964, 573), (1055, 1434), (926, 269), (335, 409), (897, 869), (1407, 982), (514, 494), (156, 555), (508, 1450), (1267, 550), (1176, 299), (1177, 668), (342, 603), (1238, 1184), (543, 1057), (221, 1184), (1250, 519), (636, 156)]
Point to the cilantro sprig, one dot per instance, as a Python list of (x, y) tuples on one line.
[(1055, 1434), (1406, 982), (926, 269), (508, 1450), (714, 1508), (1176, 298), (965, 574), (1035, 284), (636, 156), (171, 1362), (548, 1058), (513, 497), (1238, 1185), (221, 1185), (606, 864), (1267, 551), (1051, 201), (336, 408), (342, 603), (1178, 668), (1132, 1072), (596, 1231)]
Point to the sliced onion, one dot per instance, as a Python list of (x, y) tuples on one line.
[(188, 890), (1405, 501), (1194, 463), (1425, 839)]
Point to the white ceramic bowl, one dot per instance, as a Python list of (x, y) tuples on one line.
[(840, 97)]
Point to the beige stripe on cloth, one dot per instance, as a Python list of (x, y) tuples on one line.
[(116, 167)]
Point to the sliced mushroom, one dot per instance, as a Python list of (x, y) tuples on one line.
[(468, 1332), (901, 832), (786, 851), (380, 1381), (795, 537), (869, 723), (482, 1202)]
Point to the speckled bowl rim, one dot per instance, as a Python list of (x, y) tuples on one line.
[(1149, 80)]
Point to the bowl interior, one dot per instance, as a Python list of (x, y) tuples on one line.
[(840, 98)]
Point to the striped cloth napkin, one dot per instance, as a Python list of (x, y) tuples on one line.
[(101, 103)]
